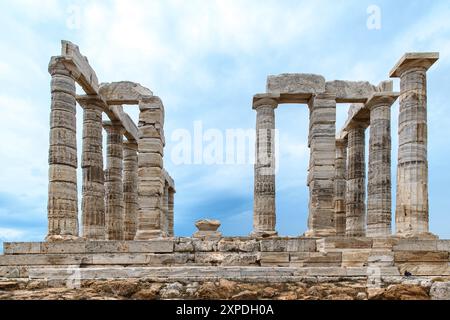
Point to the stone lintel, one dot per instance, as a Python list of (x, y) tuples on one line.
[(124, 92), (266, 99), (292, 84), (414, 60), (114, 113), (387, 85), (350, 91), (359, 115), (78, 66), (385, 98)]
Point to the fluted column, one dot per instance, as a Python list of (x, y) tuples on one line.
[(379, 207), (113, 181), (62, 206), (171, 212), (322, 143), (130, 186), (356, 185), (165, 211), (150, 174), (412, 172), (340, 185), (93, 191), (264, 216)]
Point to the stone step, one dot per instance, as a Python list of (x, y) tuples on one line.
[(189, 273)]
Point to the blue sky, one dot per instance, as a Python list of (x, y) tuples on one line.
[(206, 59)]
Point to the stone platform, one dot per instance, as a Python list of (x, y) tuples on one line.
[(280, 259)]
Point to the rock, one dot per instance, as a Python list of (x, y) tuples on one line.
[(172, 290), (287, 296), (361, 296), (401, 292), (148, 293), (208, 291), (440, 291), (245, 295)]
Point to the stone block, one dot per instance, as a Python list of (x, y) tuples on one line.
[(421, 256), (351, 91), (21, 247), (425, 269), (295, 83), (416, 245), (280, 259), (288, 245)]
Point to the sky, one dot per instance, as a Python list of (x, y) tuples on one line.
[(206, 59)]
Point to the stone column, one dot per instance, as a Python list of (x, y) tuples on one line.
[(379, 181), (93, 191), (322, 143), (356, 181), (412, 172), (264, 216), (150, 174), (113, 181), (340, 185), (62, 206), (130, 188), (165, 212), (171, 212)]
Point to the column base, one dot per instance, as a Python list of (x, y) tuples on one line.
[(62, 238), (264, 234)]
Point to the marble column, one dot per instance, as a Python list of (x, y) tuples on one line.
[(264, 216), (150, 171), (93, 191), (130, 188), (62, 206), (340, 185), (412, 172), (171, 212), (356, 181), (113, 181), (322, 143), (165, 211), (379, 211)]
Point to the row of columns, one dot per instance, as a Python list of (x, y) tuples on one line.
[(337, 180), (112, 199)]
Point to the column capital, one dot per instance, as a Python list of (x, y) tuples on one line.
[(382, 98), (266, 100), (412, 60), (113, 125), (130, 144), (91, 102), (341, 142)]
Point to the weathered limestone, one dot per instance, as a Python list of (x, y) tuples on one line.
[(62, 204), (379, 180), (322, 143), (295, 87), (150, 173), (350, 91), (412, 171), (264, 219), (93, 204), (114, 202), (356, 189), (130, 189), (340, 186), (124, 92)]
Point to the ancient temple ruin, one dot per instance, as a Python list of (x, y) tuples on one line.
[(127, 205), (133, 198)]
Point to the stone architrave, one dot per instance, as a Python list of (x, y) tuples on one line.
[(130, 188), (93, 191), (379, 205), (114, 205), (264, 216), (62, 207), (340, 185), (412, 207), (356, 182), (150, 172), (322, 143)]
